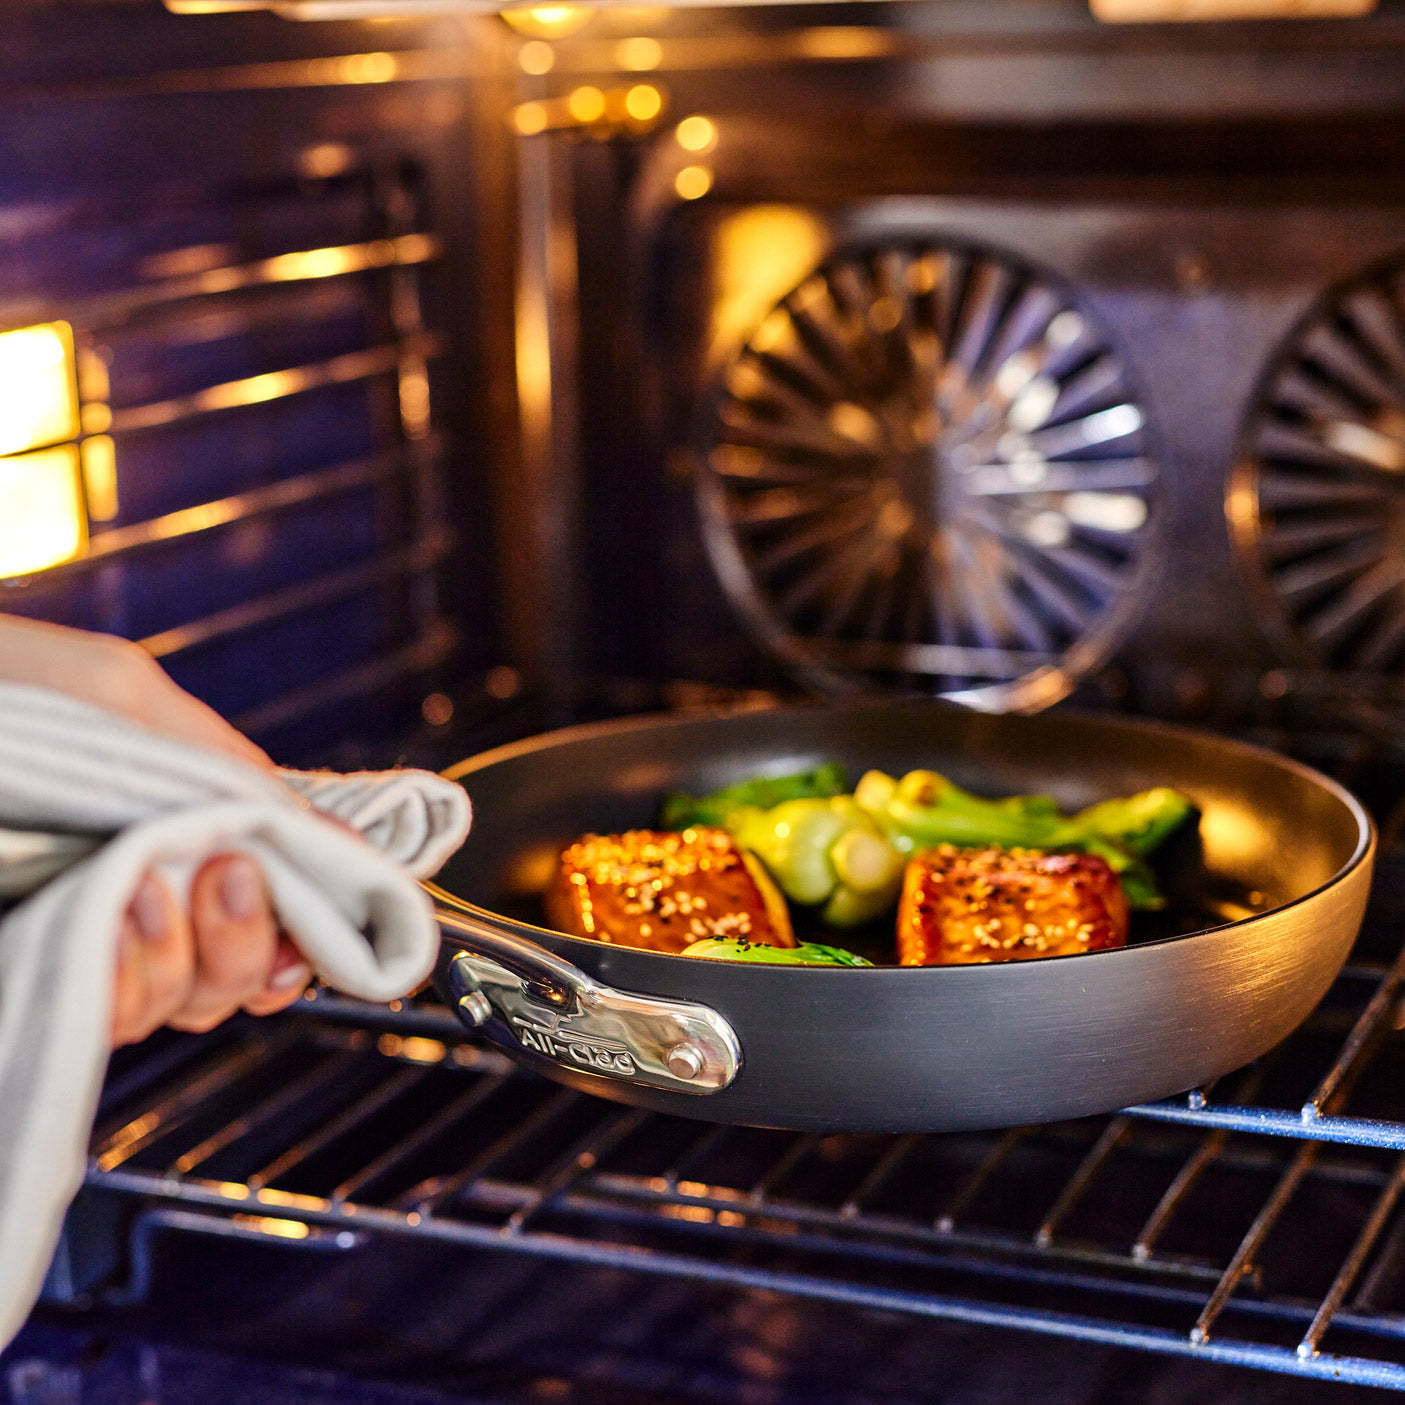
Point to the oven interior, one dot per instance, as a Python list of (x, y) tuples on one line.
[(425, 384)]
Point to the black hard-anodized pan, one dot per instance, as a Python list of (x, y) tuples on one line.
[(1287, 855)]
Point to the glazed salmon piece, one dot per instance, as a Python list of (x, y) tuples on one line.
[(663, 891), (970, 906)]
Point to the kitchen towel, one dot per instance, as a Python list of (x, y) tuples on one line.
[(348, 900)]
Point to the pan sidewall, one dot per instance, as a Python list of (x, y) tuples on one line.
[(949, 1048)]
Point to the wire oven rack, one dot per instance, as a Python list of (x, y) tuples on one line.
[(1257, 1222)]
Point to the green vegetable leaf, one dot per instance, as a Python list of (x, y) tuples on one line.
[(806, 954), (1138, 822), (681, 810)]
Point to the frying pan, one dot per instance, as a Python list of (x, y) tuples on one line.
[(1287, 855)]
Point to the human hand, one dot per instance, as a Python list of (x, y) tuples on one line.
[(187, 968), (192, 970)]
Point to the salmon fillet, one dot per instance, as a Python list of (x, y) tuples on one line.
[(663, 891), (968, 906)]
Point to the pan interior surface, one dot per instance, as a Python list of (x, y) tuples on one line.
[(1270, 832)]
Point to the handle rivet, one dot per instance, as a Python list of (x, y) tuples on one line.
[(684, 1060), (474, 1007)]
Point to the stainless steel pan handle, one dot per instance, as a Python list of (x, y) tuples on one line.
[(529, 1000)]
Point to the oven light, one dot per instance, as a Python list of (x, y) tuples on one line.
[(643, 102), (38, 394), (536, 57), (530, 118), (549, 21), (99, 458), (638, 55), (695, 133), (269, 1224), (586, 104), (42, 518), (693, 182)]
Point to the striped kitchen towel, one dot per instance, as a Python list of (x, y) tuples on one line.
[(345, 893)]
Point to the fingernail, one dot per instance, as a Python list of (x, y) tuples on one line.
[(148, 910), (290, 976), (241, 890)]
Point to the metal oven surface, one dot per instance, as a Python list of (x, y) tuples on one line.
[(1212, 218), (270, 240), (261, 277)]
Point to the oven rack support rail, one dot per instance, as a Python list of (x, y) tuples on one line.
[(246, 1132)]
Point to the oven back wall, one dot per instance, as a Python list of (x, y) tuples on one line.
[(261, 236), (1221, 204)]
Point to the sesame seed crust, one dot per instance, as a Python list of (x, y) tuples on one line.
[(660, 890), (971, 906)]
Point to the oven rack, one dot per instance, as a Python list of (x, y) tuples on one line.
[(147, 377), (1243, 1224)]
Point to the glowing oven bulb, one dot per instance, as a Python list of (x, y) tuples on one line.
[(42, 517), (42, 521), (38, 393)]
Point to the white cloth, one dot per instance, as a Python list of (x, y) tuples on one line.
[(353, 910)]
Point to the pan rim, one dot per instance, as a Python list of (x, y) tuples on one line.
[(1362, 853)]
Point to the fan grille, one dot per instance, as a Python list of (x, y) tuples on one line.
[(1317, 499), (925, 470)]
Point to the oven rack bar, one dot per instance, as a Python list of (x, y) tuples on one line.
[(494, 1195), (418, 556), (416, 659), (107, 310), (280, 496), (259, 1228), (286, 339), (1273, 1122), (237, 1129), (603, 1254), (362, 365)]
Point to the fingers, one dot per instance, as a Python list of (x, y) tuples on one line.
[(286, 981), (236, 942), (193, 971), (155, 964)]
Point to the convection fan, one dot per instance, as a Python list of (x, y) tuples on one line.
[(1317, 498), (926, 471)]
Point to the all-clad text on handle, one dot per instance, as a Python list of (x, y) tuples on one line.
[(531, 1001)]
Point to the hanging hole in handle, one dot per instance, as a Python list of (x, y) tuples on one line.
[(547, 976)]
